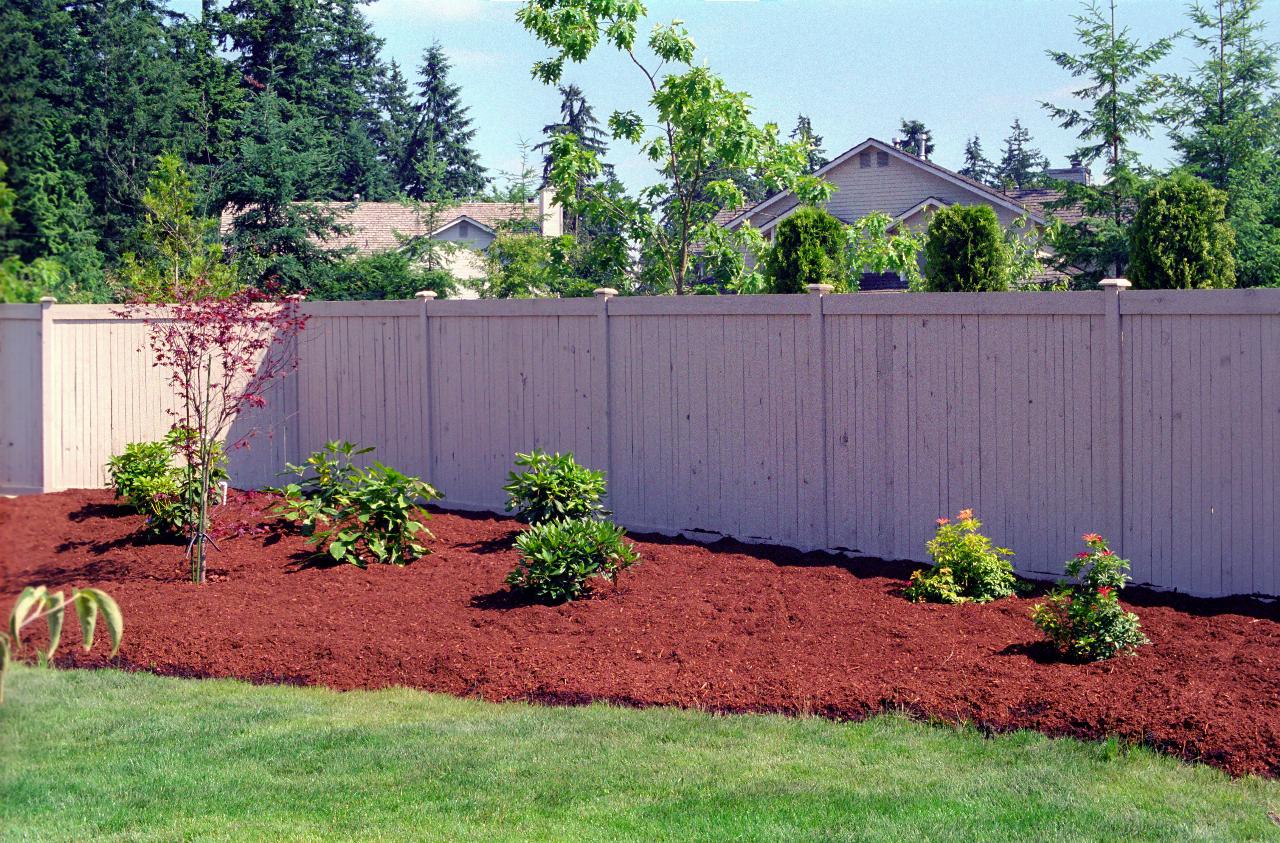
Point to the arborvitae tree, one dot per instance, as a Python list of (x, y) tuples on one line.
[(282, 160), (21, 281), (1119, 100), (1223, 123), (1180, 238), (965, 251), (910, 135), (809, 248), (976, 164), (443, 133), (803, 133), (1021, 165)]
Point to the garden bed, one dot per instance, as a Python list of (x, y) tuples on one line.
[(725, 627)]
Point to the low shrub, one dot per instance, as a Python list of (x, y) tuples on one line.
[(557, 558), (149, 478), (809, 248), (554, 486), (967, 567), (355, 514), (1084, 620)]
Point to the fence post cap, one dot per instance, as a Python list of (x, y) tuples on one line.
[(425, 295), (604, 292), (1115, 284), (820, 289), (45, 301)]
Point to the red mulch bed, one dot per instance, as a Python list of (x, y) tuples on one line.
[(725, 627)]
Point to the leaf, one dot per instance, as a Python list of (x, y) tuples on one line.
[(111, 614), (4, 662), (30, 597), (87, 613), (57, 604)]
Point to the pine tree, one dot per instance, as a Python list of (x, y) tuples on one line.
[(398, 119), (1223, 123), (282, 160), (443, 134), (911, 134), (803, 132), (1021, 165), (976, 164), (577, 119), (1119, 101)]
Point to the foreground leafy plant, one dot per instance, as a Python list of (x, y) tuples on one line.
[(38, 602), (1085, 621), (554, 486), (558, 558), (146, 477), (967, 567), (357, 514)]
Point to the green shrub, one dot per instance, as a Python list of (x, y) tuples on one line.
[(553, 486), (809, 248), (965, 250), (384, 275), (148, 477), (557, 558), (324, 482), (1084, 621), (354, 514), (967, 567), (1180, 238), (37, 602)]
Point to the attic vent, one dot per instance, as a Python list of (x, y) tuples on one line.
[(464, 229), (882, 158), (864, 159)]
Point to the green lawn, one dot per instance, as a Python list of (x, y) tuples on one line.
[(108, 755)]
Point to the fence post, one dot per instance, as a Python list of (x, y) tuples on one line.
[(425, 297), (818, 367), (602, 404), (1113, 430), (48, 456)]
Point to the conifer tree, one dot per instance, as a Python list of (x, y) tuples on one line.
[(976, 164), (442, 134), (910, 136), (803, 133), (1021, 164)]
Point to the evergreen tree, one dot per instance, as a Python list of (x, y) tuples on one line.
[(442, 134), (976, 164), (213, 98), (1223, 120), (1180, 237), (803, 133), (282, 160), (910, 136), (1119, 101), (577, 119), (397, 119), (1021, 165)]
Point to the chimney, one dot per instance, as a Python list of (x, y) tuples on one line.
[(920, 147), (551, 213), (1077, 172)]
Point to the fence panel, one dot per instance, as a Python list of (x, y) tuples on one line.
[(20, 410)]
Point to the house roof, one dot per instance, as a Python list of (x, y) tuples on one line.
[(373, 226), (987, 192), (1038, 199)]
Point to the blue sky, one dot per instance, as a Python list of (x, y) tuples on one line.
[(856, 67)]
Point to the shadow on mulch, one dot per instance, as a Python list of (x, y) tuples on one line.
[(100, 510)]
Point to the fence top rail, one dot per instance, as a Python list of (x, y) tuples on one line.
[(20, 311), (514, 307), (1258, 302), (761, 305), (1083, 303), (398, 307)]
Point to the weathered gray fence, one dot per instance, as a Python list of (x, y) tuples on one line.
[(846, 422)]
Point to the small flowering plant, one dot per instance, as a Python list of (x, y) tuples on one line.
[(1085, 621), (967, 567)]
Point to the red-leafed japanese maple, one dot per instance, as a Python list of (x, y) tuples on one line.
[(221, 351)]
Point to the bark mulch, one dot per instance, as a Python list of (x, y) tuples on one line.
[(724, 627)]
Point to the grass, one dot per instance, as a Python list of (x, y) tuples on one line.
[(106, 755)]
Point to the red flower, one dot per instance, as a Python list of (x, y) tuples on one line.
[(1082, 555), (1091, 537), (1104, 591), (1108, 552), (942, 521)]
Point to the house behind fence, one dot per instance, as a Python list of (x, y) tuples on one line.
[(839, 422)]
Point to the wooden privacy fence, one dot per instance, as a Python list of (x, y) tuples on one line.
[(843, 422)]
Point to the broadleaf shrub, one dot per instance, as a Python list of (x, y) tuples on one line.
[(358, 515), (967, 567), (558, 558), (1084, 620), (554, 486), (809, 248), (149, 478)]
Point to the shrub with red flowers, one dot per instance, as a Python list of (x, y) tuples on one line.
[(967, 567), (1084, 620)]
